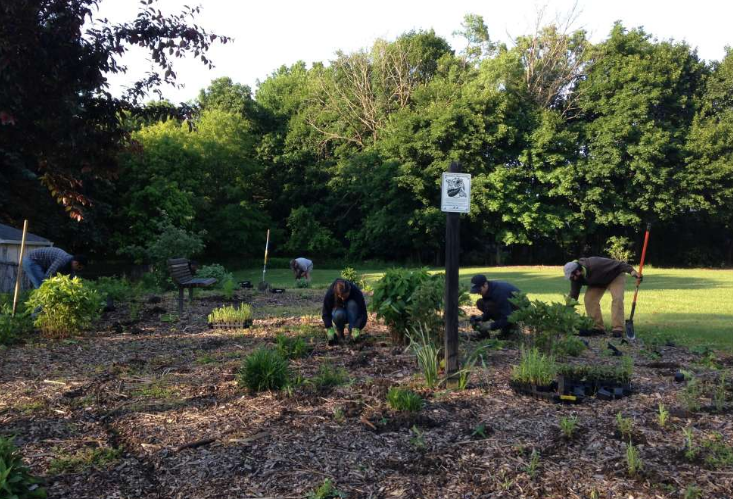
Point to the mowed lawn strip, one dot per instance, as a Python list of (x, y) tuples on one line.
[(692, 306)]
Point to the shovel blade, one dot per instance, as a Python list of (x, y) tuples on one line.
[(630, 333)]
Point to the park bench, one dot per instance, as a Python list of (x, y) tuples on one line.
[(180, 270)]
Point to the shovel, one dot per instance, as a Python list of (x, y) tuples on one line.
[(630, 333), (263, 285)]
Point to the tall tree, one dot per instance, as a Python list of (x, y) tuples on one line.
[(58, 121)]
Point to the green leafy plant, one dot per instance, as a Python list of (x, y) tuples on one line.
[(67, 306), (417, 439), (15, 478), (690, 448), (534, 463), (134, 311), (479, 431), (13, 329), (546, 323), (619, 248), (338, 415), (568, 425), (569, 346), (534, 368), (718, 453), (634, 463), (229, 314), (662, 415), (227, 288), (327, 490), (692, 491), (292, 347), (720, 393), (392, 299), (625, 426), (117, 289), (689, 396), (302, 283), (216, 271), (427, 353), (404, 400), (329, 377), (264, 369)]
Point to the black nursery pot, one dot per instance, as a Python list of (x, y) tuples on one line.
[(277, 290)]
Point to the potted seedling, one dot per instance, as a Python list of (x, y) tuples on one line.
[(535, 374)]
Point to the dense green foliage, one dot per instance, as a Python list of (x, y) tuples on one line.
[(66, 306), (229, 314), (534, 368), (572, 146), (264, 369), (393, 298), (404, 400), (15, 478), (12, 329), (548, 323), (216, 271)]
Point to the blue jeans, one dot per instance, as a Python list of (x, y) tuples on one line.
[(340, 316), (35, 272)]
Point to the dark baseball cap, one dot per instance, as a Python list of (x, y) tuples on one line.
[(477, 283)]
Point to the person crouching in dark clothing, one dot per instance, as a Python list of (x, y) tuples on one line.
[(343, 304), (494, 305)]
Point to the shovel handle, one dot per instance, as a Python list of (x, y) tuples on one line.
[(641, 269)]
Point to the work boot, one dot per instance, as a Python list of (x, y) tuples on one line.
[(617, 333)]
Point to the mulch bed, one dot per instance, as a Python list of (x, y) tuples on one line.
[(164, 393)]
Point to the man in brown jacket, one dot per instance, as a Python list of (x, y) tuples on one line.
[(600, 274)]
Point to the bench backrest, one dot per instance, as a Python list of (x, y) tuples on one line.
[(180, 270)]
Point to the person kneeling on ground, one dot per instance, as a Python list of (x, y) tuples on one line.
[(344, 303), (494, 305), (600, 274), (301, 267), (42, 263)]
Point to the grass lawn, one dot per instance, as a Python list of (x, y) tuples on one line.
[(692, 306)]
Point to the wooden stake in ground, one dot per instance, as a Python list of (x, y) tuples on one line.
[(19, 274), (452, 249)]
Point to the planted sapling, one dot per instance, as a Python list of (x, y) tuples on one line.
[(662, 415), (568, 425), (625, 426), (633, 461)]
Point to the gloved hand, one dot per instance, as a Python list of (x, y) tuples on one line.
[(639, 277), (331, 334)]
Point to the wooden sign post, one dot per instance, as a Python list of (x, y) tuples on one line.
[(455, 199), (19, 274)]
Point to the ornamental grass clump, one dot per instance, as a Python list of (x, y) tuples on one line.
[(535, 368), (264, 369), (229, 314), (427, 354), (65, 306), (403, 400)]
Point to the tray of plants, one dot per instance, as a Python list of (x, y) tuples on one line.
[(231, 317)]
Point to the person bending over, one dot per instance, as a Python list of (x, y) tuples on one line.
[(343, 304)]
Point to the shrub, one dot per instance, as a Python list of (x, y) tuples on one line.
[(619, 248), (264, 369), (231, 314), (228, 288), (393, 297), (170, 242), (292, 347), (216, 271), (67, 306), (534, 368), (12, 329), (570, 346), (302, 283), (15, 478), (117, 289), (400, 399), (547, 322)]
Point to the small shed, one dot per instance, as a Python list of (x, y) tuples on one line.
[(10, 239)]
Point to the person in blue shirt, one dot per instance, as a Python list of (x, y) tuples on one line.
[(494, 305), (42, 263)]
